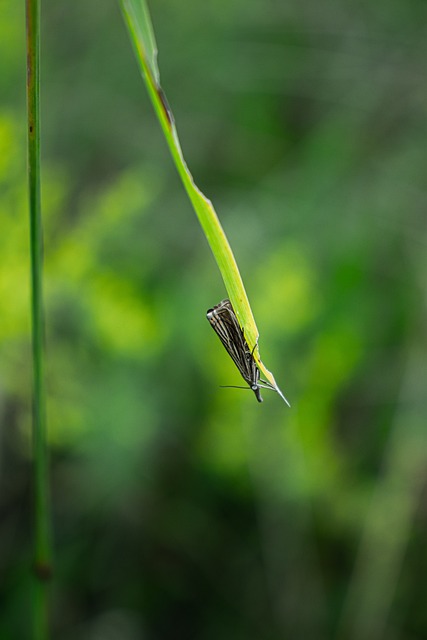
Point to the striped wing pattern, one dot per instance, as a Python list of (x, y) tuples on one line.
[(225, 324)]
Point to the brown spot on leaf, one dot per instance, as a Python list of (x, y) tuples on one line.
[(166, 107), (42, 571)]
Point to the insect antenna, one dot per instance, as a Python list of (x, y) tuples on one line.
[(234, 386)]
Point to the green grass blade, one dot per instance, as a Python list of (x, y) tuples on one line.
[(42, 546), (141, 33)]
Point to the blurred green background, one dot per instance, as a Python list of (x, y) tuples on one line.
[(182, 510)]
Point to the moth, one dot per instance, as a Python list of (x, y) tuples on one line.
[(224, 322)]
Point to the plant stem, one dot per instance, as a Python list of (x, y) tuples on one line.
[(138, 22), (42, 542)]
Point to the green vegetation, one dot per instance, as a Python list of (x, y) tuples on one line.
[(181, 509), (40, 489), (138, 20)]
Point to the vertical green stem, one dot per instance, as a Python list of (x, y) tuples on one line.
[(42, 543)]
